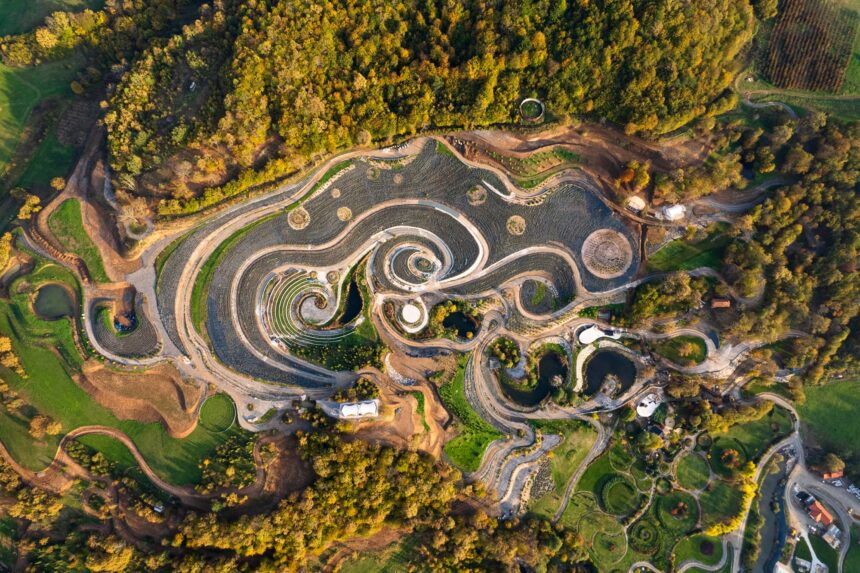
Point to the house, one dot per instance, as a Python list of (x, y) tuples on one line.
[(832, 537), (636, 203), (721, 303), (647, 406), (364, 409), (827, 476), (819, 514), (673, 212)]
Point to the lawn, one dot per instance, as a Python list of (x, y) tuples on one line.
[(21, 89), (852, 559), (682, 255), (825, 553), (578, 438), (693, 548), (693, 472), (49, 355), (830, 415), (722, 501), (467, 449), (683, 350), (18, 16), (66, 223), (52, 159), (751, 440)]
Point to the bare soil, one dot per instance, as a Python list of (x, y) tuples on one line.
[(158, 395)]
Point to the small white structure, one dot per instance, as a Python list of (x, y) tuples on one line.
[(594, 332), (673, 212), (636, 203), (366, 409), (647, 406), (410, 313)]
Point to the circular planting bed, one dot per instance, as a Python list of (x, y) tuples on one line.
[(644, 537), (344, 213), (218, 413), (299, 218), (516, 225), (678, 511), (693, 472), (477, 195), (606, 253), (619, 496)]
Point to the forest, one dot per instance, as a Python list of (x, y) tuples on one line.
[(251, 91)]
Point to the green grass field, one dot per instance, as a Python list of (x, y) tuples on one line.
[(830, 415), (682, 255), (467, 449), (578, 438), (48, 353), (852, 559), (68, 227), (691, 548), (52, 159), (18, 16), (693, 472), (21, 89), (720, 503), (673, 349), (825, 553)]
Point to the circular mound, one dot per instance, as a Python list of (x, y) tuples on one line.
[(516, 225), (678, 511), (410, 313), (398, 179), (335, 193), (693, 472), (531, 109), (619, 496), (332, 277), (645, 537), (372, 173), (606, 253), (299, 218), (477, 195), (344, 213)]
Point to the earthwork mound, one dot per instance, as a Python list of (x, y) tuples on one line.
[(606, 253)]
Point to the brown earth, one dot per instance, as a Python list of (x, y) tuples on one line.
[(158, 395)]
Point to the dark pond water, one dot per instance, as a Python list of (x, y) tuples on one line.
[(353, 303), (549, 366), (462, 323), (52, 302), (605, 362)]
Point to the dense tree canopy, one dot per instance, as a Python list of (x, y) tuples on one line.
[(292, 79)]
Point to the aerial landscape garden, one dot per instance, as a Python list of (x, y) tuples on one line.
[(429, 286)]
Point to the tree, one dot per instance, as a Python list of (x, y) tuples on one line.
[(833, 463), (32, 205)]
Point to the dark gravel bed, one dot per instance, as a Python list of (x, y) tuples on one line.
[(140, 342)]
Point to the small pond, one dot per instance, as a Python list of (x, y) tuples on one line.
[(549, 366), (353, 305), (53, 301), (462, 323), (605, 362)]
